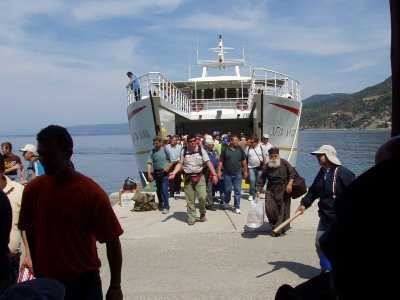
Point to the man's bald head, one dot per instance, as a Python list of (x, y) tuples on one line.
[(389, 150)]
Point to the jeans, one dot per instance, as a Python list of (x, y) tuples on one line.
[(162, 191), (234, 180), (14, 264), (86, 287), (323, 260), (254, 174)]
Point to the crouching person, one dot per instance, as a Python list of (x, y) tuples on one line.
[(280, 175), (193, 158)]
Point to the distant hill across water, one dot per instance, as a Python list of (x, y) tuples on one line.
[(369, 108), (100, 129)]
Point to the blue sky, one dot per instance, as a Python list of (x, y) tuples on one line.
[(64, 62)]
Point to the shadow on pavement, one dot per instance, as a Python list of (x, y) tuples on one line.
[(179, 215), (302, 270)]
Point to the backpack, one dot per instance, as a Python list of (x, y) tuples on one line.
[(299, 187), (144, 202), (199, 151)]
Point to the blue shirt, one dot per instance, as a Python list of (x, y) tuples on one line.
[(34, 168), (174, 152)]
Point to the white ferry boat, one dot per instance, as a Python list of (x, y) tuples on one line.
[(263, 101)]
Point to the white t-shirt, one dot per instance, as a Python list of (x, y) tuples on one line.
[(127, 200), (193, 162), (254, 156), (265, 148)]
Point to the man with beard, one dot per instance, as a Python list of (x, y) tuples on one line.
[(280, 175)]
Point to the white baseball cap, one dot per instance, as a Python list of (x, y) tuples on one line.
[(209, 140), (266, 136), (29, 148), (330, 153)]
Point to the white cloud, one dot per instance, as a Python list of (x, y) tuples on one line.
[(14, 15), (105, 9), (206, 21), (358, 66), (316, 41)]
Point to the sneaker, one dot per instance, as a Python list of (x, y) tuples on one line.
[(251, 198), (165, 211), (202, 218), (237, 211)]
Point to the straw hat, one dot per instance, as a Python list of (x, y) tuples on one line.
[(330, 153)]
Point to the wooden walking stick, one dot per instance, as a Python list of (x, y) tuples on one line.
[(279, 228)]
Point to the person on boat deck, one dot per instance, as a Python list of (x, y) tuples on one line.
[(280, 175), (255, 162), (329, 184), (133, 85), (233, 163), (12, 162), (174, 151), (35, 168), (159, 162), (193, 160), (64, 213)]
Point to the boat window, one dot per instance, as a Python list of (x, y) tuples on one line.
[(220, 93), (245, 93), (232, 93), (198, 94), (208, 94)]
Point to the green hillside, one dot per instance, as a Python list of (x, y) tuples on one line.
[(368, 108)]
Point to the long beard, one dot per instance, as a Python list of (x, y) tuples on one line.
[(274, 163)]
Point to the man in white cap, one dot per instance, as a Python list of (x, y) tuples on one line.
[(34, 168), (265, 145), (329, 184)]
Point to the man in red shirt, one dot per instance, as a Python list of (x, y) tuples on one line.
[(63, 214)]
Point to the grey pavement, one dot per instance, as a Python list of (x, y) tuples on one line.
[(164, 258)]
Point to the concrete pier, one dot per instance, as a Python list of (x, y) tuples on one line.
[(164, 258)]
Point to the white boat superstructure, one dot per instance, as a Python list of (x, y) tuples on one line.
[(264, 101)]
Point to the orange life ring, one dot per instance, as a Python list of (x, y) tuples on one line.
[(242, 105)]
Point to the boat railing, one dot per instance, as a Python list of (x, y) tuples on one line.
[(275, 84), (220, 103), (159, 86)]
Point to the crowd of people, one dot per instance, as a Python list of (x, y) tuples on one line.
[(209, 165), (59, 237)]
